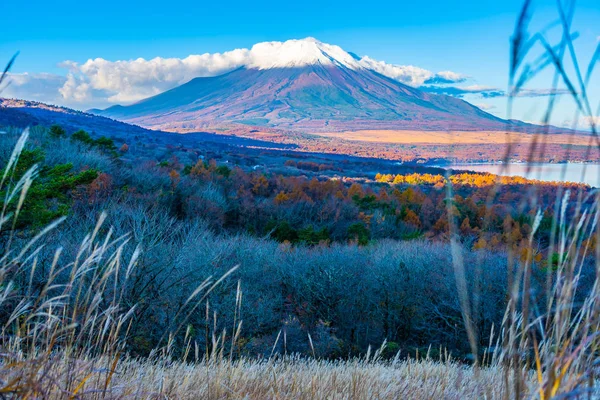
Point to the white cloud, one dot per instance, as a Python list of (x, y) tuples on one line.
[(411, 75), (42, 87), (126, 81), (486, 92), (589, 121), (583, 123), (407, 74), (478, 88), (485, 106), (75, 89), (541, 92), (451, 76)]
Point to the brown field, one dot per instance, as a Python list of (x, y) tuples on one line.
[(460, 146), (409, 145), (456, 137)]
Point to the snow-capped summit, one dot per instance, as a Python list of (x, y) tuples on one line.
[(299, 53)]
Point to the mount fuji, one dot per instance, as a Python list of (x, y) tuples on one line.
[(304, 85)]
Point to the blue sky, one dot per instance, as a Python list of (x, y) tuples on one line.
[(467, 37)]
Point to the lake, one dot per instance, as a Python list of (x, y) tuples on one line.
[(582, 173)]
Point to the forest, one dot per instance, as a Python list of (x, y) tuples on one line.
[(347, 262)]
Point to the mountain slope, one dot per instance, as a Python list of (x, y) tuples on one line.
[(307, 85)]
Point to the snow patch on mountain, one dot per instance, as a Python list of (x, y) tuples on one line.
[(299, 53)]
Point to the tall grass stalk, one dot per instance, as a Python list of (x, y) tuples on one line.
[(560, 343)]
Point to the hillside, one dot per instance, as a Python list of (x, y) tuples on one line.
[(22, 113)]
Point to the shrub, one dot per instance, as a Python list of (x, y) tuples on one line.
[(359, 232), (57, 131), (83, 137), (48, 187), (105, 143)]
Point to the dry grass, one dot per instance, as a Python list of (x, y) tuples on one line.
[(282, 378), (452, 137)]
